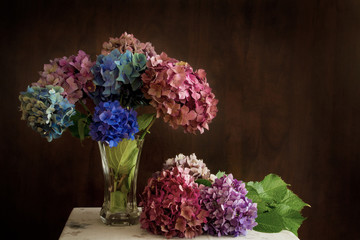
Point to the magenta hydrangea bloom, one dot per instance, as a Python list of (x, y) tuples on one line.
[(179, 95), (230, 211), (128, 42), (72, 73), (171, 206)]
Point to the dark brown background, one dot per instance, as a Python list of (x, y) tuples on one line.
[(286, 74)]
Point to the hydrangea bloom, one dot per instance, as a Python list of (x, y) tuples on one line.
[(171, 205), (117, 77), (230, 211), (112, 123), (46, 111), (180, 95), (72, 74), (127, 42), (196, 167)]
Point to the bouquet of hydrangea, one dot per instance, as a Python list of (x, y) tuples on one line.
[(126, 75), (101, 99), (182, 200)]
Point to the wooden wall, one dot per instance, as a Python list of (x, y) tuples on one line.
[(286, 74)]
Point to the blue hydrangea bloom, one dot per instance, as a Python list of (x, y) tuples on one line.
[(118, 77), (46, 111), (112, 123)]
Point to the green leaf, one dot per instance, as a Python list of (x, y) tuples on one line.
[(144, 120), (118, 200), (122, 157), (129, 162), (270, 222), (220, 174), (292, 219), (255, 191), (293, 201), (278, 206), (131, 177), (203, 182), (274, 187), (80, 128)]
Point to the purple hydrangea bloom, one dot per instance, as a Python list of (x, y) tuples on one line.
[(230, 211), (112, 123), (71, 73)]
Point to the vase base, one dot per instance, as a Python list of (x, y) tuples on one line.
[(119, 218)]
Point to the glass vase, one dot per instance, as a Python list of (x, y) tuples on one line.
[(120, 167)]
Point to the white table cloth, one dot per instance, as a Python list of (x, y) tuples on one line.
[(85, 223)]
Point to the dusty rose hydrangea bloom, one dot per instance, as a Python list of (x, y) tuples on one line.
[(72, 73), (179, 95), (128, 42), (196, 167), (171, 206)]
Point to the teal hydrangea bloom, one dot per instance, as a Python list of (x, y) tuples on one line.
[(130, 65), (118, 77), (46, 111)]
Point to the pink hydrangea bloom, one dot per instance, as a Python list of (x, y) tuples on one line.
[(196, 167), (72, 73), (180, 95), (128, 42), (171, 206)]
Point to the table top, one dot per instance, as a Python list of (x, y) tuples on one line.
[(85, 223)]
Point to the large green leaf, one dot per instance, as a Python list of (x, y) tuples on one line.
[(127, 163), (283, 217), (112, 157), (144, 120), (269, 222), (292, 219), (293, 201), (122, 157), (83, 128), (130, 178), (80, 128), (255, 191), (272, 188), (278, 207)]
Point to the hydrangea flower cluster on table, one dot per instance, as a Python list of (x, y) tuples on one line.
[(175, 205), (126, 75)]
